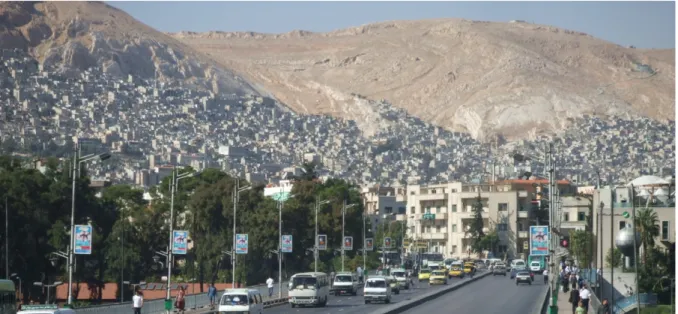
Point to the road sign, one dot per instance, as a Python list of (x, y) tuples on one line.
[(429, 216), (322, 242), (369, 244), (387, 243), (348, 243), (525, 245), (281, 196), (626, 214), (287, 244), (83, 240), (241, 243), (179, 240)]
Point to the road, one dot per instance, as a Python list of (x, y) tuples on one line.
[(356, 305), (488, 295)]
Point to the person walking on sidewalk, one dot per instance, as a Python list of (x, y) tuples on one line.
[(580, 309), (212, 293), (574, 300), (585, 295), (269, 284), (605, 308), (546, 276), (137, 302), (180, 302)]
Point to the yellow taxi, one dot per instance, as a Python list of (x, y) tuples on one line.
[(457, 270), (438, 277), (469, 267), (425, 274)]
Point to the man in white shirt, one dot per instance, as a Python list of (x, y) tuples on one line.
[(546, 276), (137, 302), (360, 273), (269, 283), (584, 296)]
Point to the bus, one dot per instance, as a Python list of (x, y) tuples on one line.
[(536, 258), (431, 257), (7, 297)]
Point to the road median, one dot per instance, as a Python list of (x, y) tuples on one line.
[(408, 304)]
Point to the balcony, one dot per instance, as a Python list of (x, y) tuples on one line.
[(433, 236), (432, 197), (522, 234)]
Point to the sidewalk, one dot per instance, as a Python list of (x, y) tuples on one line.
[(564, 307)]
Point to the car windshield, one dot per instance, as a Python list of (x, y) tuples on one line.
[(376, 284), (456, 267), (522, 273), (438, 273), (303, 282), (234, 299), (425, 271), (399, 273), (535, 263), (343, 279)]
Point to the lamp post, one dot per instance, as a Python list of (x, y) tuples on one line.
[(40, 284), (134, 285), (173, 188), (281, 198), (315, 247), (236, 197), (77, 161), (343, 235)]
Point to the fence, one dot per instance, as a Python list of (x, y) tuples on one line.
[(193, 301), (621, 305)]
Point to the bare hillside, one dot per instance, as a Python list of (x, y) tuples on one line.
[(80, 35), (514, 78)]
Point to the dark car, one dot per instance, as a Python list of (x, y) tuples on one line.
[(523, 277)]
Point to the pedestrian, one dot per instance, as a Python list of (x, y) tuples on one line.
[(180, 302), (546, 276), (574, 300), (137, 302), (360, 274), (212, 293), (585, 295), (269, 284), (605, 307), (566, 283), (573, 281), (580, 309)]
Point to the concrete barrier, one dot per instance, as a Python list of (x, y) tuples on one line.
[(408, 304), (542, 308)]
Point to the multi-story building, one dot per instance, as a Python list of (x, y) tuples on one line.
[(574, 213), (384, 203)]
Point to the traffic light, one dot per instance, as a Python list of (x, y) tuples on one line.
[(565, 242)]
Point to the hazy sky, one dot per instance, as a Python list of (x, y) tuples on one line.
[(642, 24)]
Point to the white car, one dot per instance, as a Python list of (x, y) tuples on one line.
[(241, 301), (377, 289), (402, 278), (535, 266), (345, 283)]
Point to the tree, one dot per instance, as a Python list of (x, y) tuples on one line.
[(476, 228), (614, 258), (489, 241), (647, 224), (580, 246)]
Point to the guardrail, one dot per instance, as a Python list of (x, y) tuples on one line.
[(408, 304), (623, 305), (194, 301), (542, 308)]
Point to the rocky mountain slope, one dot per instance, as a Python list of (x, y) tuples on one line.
[(78, 35), (516, 78)]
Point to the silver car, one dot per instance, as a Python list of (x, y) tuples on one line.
[(499, 269), (523, 277)]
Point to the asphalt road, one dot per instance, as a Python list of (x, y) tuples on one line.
[(490, 295), (356, 305)]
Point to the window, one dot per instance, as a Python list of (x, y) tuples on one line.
[(388, 210), (502, 227), (428, 210), (566, 216), (454, 228), (454, 208), (454, 190), (437, 229), (454, 249), (665, 231), (503, 207), (581, 216), (433, 191), (412, 210), (622, 225)]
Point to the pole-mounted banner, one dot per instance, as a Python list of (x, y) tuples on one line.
[(241, 243), (348, 243), (539, 240), (369, 244), (287, 243), (179, 242), (322, 242), (83, 240)]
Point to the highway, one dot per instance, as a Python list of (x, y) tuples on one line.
[(488, 295), (351, 304)]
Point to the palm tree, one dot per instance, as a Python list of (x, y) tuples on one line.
[(647, 224)]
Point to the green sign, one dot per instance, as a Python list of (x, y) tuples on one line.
[(626, 214), (281, 197), (429, 216), (39, 307)]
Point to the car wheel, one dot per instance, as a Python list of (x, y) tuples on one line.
[(529, 283), (387, 301), (516, 283), (367, 302), (293, 305)]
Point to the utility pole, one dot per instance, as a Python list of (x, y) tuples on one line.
[(600, 249), (613, 191), (235, 202), (6, 238), (171, 231), (635, 244), (364, 242), (343, 235), (280, 252)]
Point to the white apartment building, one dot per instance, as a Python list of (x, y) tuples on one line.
[(384, 203)]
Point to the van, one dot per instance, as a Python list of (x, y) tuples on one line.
[(309, 289), (241, 301), (43, 309), (345, 283), (518, 264), (535, 266), (377, 289)]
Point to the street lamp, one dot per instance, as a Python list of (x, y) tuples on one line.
[(173, 187), (315, 247), (77, 161), (343, 236), (165, 254), (134, 285), (15, 275), (281, 198), (40, 284), (236, 197)]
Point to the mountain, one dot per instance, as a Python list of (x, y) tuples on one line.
[(515, 79), (74, 36)]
